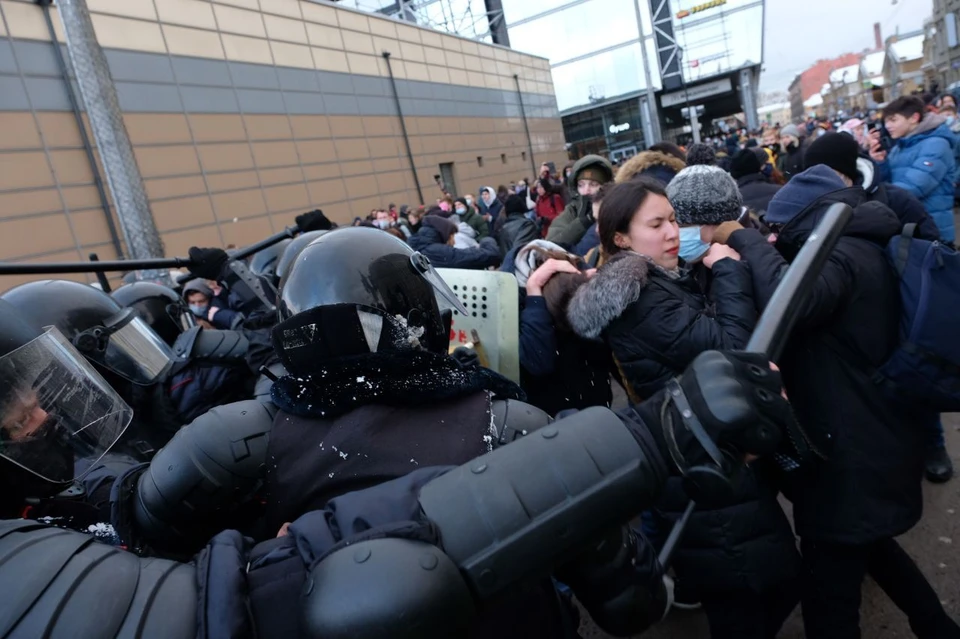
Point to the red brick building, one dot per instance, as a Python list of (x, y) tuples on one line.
[(813, 79)]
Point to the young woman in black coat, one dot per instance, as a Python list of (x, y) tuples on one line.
[(653, 315)]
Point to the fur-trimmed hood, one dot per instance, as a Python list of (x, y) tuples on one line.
[(607, 295), (645, 162)]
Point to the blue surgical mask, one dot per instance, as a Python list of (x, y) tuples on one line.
[(199, 310), (692, 247), (461, 210)]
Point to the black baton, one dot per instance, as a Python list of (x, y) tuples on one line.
[(778, 318), (9, 268)]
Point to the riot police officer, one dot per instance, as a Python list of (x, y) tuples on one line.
[(430, 554), (166, 386), (58, 419)]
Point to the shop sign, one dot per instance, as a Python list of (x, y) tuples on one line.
[(619, 128)]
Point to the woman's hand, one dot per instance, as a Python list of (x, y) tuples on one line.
[(544, 272), (718, 252)]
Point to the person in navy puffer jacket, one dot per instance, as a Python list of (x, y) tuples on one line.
[(921, 160)]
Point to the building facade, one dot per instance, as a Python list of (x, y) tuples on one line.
[(903, 66), (942, 45), (243, 114), (608, 72), (810, 82)]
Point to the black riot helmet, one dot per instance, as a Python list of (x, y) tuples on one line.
[(55, 411), (264, 263), (292, 250), (159, 306), (359, 290), (112, 337)]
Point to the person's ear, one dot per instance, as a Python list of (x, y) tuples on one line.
[(621, 240)]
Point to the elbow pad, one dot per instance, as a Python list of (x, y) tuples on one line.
[(58, 583), (207, 469), (212, 346), (501, 522), (619, 580)]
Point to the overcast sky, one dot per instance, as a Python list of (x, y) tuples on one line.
[(800, 32)]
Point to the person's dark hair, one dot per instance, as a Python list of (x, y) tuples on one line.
[(669, 148), (485, 190), (502, 191), (620, 204), (906, 105)]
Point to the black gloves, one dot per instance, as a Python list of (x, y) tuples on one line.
[(736, 398), (725, 406), (207, 263), (585, 214), (313, 221), (466, 357)]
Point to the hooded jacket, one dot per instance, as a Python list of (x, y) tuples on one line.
[(869, 486), (569, 227), (922, 163), (495, 206), (429, 242), (466, 237), (655, 164), (655, 326), (476, 222)]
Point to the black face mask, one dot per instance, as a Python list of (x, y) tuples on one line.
[(792, 146)]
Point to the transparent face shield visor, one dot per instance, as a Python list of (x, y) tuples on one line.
[(127, 345), (446, 298), (56, 413)]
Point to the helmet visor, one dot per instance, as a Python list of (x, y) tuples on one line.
[(129, 347), (56, 410), (446, 298)]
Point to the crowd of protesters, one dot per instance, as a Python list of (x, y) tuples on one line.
[(627, 273)]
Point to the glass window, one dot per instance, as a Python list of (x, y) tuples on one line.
[(514, 10), (577, 31), (603, 76), (718, 39)]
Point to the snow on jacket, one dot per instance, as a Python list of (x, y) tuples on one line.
[(429, 242), (922, 163)]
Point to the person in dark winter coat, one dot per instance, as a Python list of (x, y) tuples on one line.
[(738, 556), (514, 228), (865, 489), (840, 152), (755, 187), (790, 161), (435, 237), (921, 160), (470, 216), (489, 204), (558, 369), (211, 306), (588, 175)]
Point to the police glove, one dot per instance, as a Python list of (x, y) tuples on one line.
[(313, 221), (730, 398), (207, 263)]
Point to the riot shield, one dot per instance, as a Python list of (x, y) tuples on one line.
[(491, 299)]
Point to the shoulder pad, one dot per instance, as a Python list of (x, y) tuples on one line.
[(184, 344), (512, 419), (261, 392)]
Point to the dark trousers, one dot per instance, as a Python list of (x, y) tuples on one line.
[(832, 580), (745, 614)]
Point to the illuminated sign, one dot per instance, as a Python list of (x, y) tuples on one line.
[(700, 7), (619, 128)]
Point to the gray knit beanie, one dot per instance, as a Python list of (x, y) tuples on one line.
[(702, 194)]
